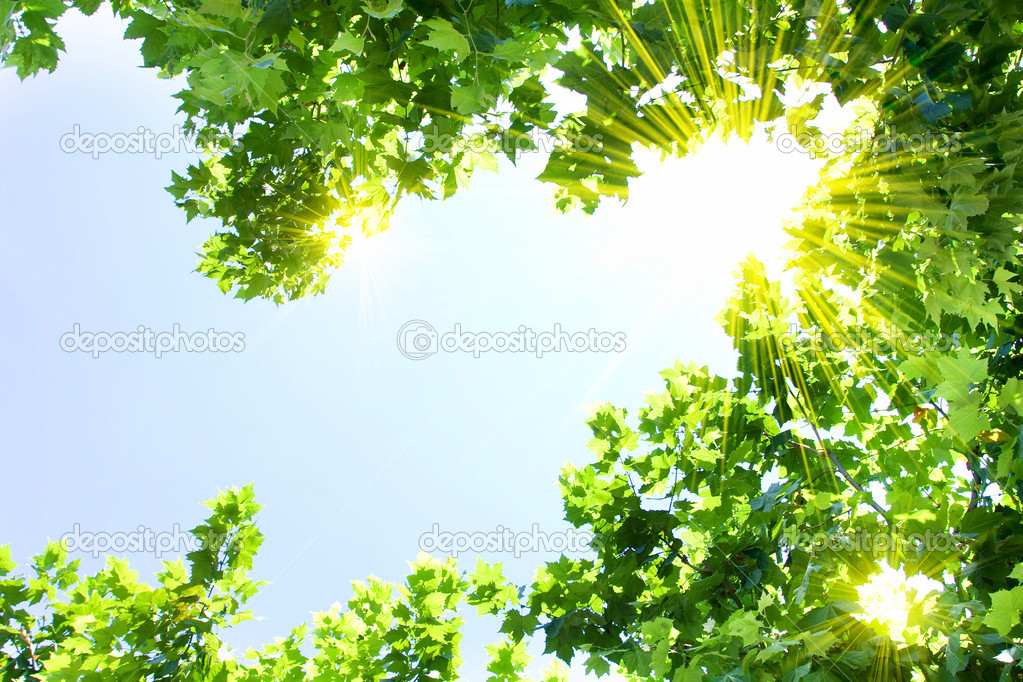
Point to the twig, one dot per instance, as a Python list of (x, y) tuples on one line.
[(31, 649), (834, 460), (848, 478), (704, 571), (975, 488)]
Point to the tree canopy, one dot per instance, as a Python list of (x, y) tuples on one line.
[(874, 417)]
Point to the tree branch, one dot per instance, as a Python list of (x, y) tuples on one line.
[(844, 473), (832, 458), (31, 649)]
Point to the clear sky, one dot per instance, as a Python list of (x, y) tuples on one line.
[(355, 450)]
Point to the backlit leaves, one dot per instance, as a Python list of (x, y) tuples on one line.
[(874, 411)]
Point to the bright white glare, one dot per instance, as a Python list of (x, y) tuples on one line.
[(709, 211), (886, 600)]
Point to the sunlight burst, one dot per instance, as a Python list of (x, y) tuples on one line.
[(888, 598)]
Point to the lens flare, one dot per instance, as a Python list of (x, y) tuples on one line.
[(888, 598)]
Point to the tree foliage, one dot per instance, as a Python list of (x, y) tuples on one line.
[(112, 627), (905, 432)]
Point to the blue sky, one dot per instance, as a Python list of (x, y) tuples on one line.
[(355, 450)]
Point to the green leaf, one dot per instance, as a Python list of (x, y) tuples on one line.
[(349, 42), (275, 21), (959, 373), (967, 205), (445, 37), (744, 625), (510, 49), (225, 8), (955, 658), (384, 9), (1011, 394), (6, 565), (469, 99), (691, 673), (1004, 614)]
